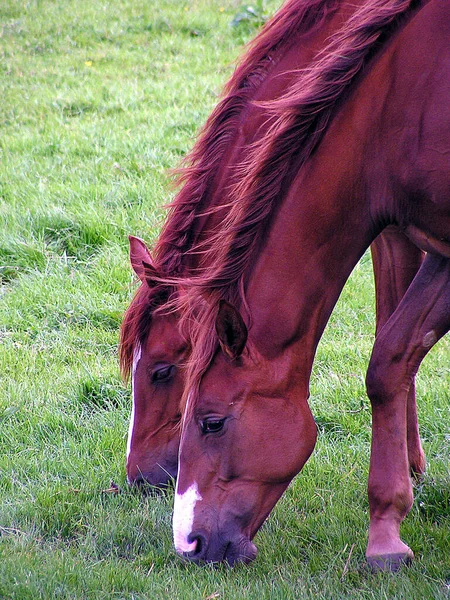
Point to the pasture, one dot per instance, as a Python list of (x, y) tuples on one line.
[(99, 101)]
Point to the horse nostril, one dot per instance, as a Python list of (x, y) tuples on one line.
[(200, 546)]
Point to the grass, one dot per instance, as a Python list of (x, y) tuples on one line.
[(99, 100)]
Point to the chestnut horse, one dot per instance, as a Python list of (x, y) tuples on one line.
[(360, 144), (152, 348)]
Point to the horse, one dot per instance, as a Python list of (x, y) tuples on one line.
[(359, 144), (152, 348)]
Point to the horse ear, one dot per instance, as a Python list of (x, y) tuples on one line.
[(231, 330), (141, 260)]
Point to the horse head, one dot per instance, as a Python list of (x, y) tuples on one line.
[(245, 436), (156, 351)]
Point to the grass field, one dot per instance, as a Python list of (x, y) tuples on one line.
[(98, 101)]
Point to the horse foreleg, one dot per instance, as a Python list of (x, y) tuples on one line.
[(422, 317), (396, 261)]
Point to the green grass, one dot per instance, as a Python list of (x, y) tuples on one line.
[(99, 100)]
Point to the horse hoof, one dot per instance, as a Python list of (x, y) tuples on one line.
[(418, 467), (390, 562)]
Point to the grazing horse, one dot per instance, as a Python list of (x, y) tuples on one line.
[(152, 348), (361, 143)]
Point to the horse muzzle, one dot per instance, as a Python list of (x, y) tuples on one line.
[(213, 549), (158, 478)]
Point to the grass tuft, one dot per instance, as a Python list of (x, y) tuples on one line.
[(19, 257), (101, 394), (69, 236)]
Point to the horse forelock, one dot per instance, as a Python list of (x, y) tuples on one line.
[(204, 344), (301, 117), (199, 168), (137, 321)]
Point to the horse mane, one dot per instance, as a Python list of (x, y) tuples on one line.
[(301, 119), (200, 166)]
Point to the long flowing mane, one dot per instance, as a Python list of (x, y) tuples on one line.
[(199, 167), (302, 116), (196, 176)]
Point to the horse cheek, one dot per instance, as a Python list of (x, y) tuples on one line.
[(276, 438)]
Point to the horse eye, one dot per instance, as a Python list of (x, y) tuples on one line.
[(163, 374), (212, 425)]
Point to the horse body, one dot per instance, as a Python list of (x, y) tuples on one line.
[(383, 161)]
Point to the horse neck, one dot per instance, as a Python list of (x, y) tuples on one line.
[(321, 230), (336, 205), (253, 124)]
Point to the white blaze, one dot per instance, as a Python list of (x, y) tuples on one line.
[(136, 359), (184, 505), (183, 518)]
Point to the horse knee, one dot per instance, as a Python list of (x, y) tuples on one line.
[(387, 373), (377, 379)]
